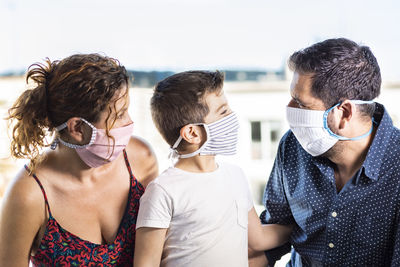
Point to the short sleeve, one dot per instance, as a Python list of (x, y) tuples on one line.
[(277, 209), (246, 189), (155, 209)]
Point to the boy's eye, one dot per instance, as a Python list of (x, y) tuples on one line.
[(224, 112)]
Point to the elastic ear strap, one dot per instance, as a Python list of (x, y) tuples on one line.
[(64, 125), (198, 151), (326, 113), (177, 142), (360, 102), (325, 120), (353, 138), (194, 153)]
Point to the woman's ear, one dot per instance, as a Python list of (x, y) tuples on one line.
[(191, 134), (347, 110), (76, 130)]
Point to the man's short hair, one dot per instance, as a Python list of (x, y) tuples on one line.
[(179, 100), (341, 69)]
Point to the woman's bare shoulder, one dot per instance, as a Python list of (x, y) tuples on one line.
[(23, 192), (22, 213), (142, 159)]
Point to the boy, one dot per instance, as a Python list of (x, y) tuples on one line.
[(197, 212)]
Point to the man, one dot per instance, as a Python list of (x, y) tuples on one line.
[(336, 176)]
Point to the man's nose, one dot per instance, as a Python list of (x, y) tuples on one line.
[(292, 104)]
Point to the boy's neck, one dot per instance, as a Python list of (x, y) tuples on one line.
[(197, 164)]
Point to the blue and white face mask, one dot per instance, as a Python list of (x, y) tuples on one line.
[(222, 138), (312, 131)]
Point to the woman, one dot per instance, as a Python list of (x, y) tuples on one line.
[(75, 204)]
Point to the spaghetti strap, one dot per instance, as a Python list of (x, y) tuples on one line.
[(132, 177), (41, 188)]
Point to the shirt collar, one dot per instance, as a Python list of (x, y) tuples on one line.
[(376, 151)]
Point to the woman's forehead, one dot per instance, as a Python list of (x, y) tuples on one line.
[(121, 98)]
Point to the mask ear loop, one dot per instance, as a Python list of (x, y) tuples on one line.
[(174, 154), (326, 127), (63, 126)]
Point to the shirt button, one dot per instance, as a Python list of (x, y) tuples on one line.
[(334, 214), (331, 245)]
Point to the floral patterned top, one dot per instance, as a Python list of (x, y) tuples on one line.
[(59, 247)]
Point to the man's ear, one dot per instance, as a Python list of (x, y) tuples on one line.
[(75, 129), (346, 110), (191, 134)]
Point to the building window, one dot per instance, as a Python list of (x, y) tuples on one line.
[(256, 131), (256, 144), (265, 136), (275, 132)]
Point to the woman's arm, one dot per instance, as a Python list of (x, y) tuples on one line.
[(267, 236), (22, 213), (149, 246)]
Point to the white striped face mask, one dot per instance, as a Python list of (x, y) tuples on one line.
[(222, 138)]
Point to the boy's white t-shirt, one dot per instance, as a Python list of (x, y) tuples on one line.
[(206, 215)]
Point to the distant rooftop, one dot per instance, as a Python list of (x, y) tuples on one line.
[(235, 80), (147, 79)]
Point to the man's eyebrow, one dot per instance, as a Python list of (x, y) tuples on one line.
[(295, 98)]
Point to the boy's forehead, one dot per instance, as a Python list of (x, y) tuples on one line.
[(220, 91), (216, 103), (215, 96), (216, 100)]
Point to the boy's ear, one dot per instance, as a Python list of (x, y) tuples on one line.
[(191, 134), (75, 129)]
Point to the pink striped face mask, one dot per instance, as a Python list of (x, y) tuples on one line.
[(101, 149)]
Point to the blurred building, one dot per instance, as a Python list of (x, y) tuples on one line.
[(259, 98), (261, 109), (260, 105)]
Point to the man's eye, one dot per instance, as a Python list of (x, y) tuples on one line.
[(300, 104)]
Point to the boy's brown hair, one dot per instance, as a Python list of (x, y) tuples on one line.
[(179, 100)]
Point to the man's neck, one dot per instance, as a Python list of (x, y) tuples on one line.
[(197, 164), (349, 157)]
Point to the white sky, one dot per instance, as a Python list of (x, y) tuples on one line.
[(204, 34)]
